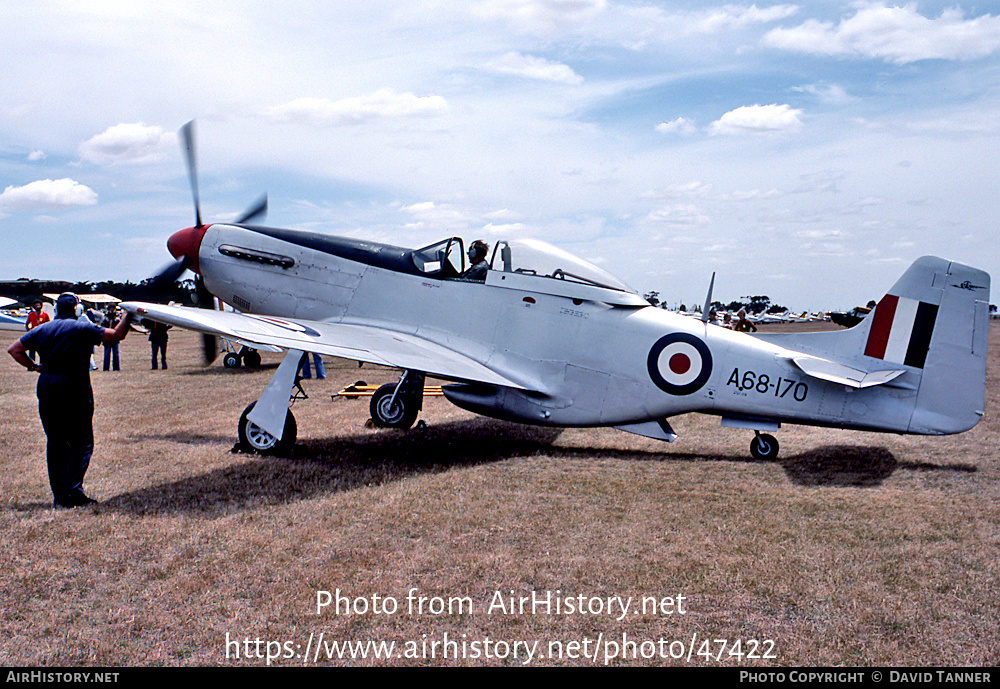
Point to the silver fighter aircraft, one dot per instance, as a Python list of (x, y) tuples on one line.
[(549, 339)]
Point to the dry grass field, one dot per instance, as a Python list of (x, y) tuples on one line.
[(851, 549)]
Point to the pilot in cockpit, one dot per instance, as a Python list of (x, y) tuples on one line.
[(477, 261)]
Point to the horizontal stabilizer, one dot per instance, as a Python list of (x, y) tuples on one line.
[(831, 371)]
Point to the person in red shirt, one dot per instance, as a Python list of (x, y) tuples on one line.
[(35, 318)]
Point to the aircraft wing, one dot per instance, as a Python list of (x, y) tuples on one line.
[(349, 341)]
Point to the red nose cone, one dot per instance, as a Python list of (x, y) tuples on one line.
[(187, 242)]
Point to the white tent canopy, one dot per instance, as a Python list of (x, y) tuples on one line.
[(88, 299)]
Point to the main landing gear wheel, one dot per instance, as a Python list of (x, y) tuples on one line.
[(231, 360), (255, 440), (764, 447), (387, 413), (251, 358)]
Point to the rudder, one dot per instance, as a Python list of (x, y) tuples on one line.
[(934, 320)]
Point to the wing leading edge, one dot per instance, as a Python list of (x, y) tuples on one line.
[(349, 341)]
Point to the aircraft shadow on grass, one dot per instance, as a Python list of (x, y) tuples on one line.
[(323, 466)]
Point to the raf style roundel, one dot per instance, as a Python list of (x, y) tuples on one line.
[(679, 363)]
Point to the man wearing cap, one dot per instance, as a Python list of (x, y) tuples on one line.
[(65, 398)]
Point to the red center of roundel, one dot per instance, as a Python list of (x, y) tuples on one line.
[(679, 364)]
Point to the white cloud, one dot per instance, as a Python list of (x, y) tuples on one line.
[(539, 15), (502, 214), (430, 215), (127, 143), (504, 230), (679, 214), (823, 181), (384, 103), (681, 125), (754, 195), (758, 119), (733, 16), (821, 234), (827, 93), (531, 67), (695, 189), (894, 34), (639, 25), (35, 156), (47, 194)]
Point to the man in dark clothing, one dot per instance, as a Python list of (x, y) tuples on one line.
[(158, 342), (111, 349), (65, 398)]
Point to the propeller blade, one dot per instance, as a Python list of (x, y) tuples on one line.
[(259, 208), (169, 273), (187, 135)]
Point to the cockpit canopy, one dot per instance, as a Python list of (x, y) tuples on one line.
[(446, 259)]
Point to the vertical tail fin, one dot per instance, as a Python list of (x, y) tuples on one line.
[(925, 342), (934, 320)]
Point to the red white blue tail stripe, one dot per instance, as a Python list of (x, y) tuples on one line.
[(901, 330)]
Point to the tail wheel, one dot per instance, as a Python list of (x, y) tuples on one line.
[(764, 447), (389, 413), (255, 440)]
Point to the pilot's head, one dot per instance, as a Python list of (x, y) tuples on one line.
[(477, 251), (66, 305)]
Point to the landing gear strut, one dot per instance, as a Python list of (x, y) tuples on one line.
[(396, 405), (267, 426)]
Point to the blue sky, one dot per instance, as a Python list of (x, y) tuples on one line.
[(805, 151)]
